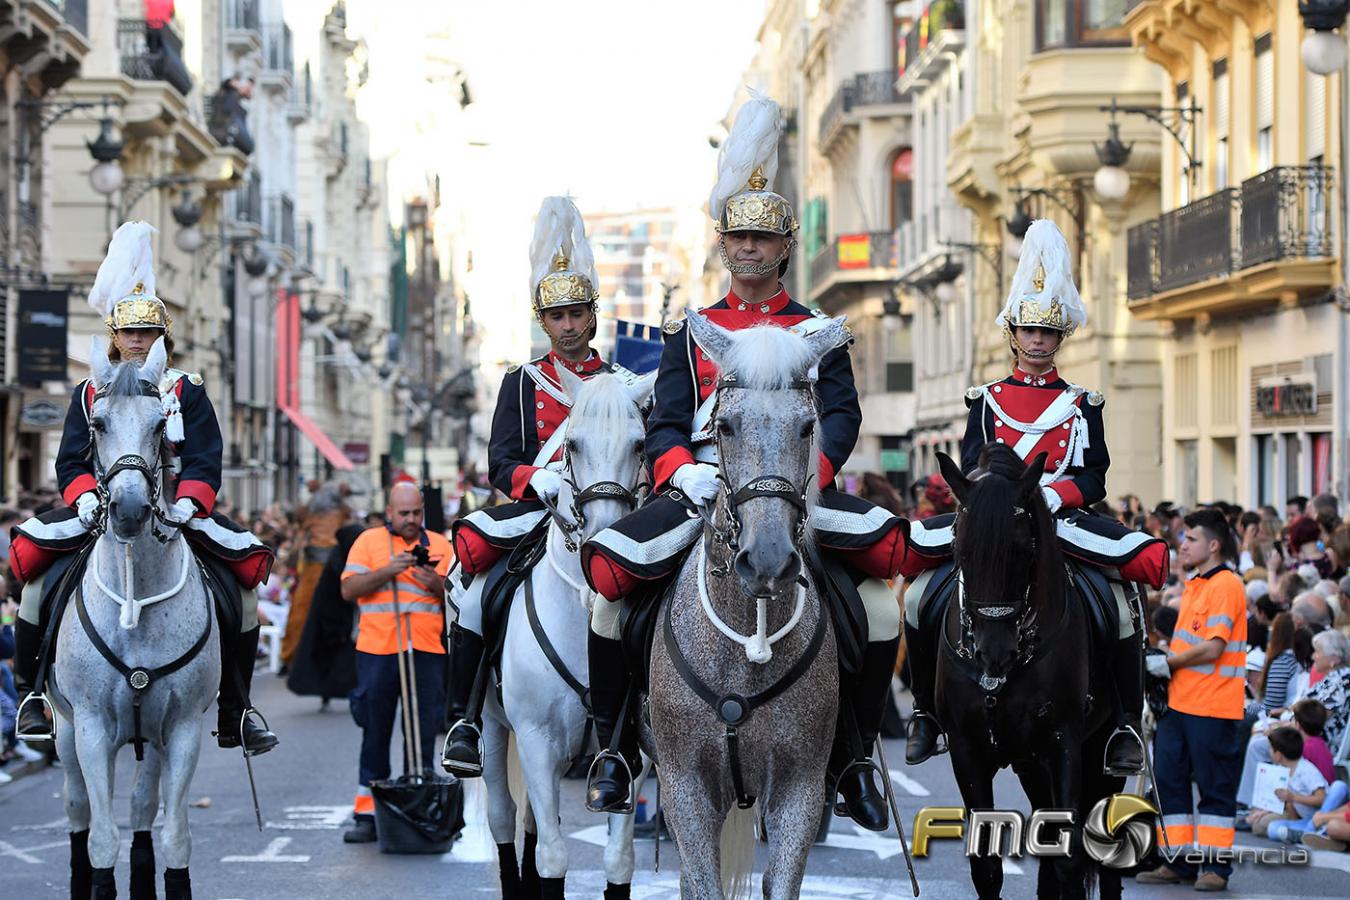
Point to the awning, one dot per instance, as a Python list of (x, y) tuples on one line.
[(310, 429)]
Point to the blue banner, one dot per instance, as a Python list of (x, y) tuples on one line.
[(637, 347)]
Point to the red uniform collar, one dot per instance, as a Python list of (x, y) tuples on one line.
[(589, 367), (1021, 377), (771, 306)]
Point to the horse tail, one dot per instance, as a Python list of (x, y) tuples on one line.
[(738, 851), (515, 778)]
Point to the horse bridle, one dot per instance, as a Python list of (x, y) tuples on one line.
[(995, 611), (760, 486), (134, 462), (599, 490)]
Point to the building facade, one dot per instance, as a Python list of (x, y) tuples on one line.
[(1241, 270)]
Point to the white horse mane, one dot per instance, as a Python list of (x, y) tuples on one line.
[(604, 397), (768, 358)]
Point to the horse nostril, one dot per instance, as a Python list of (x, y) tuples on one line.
[(791, 566), (742, 565)]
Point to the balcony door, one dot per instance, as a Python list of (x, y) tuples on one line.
[(902, 187)]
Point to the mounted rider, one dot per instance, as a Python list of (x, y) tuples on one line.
[(525, 454), (635, 558), (44, 546), (1035, 411)]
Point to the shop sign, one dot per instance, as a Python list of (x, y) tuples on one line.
[(358, 453), (41, 414), (1283, 395)]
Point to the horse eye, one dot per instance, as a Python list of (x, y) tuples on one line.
[(573, 446), (639, 446), (100, 425), (159, 428), (807, 427), (724, 428)]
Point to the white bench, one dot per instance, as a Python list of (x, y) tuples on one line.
[(271, 635)]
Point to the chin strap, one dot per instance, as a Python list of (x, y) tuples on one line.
[(764, 268)]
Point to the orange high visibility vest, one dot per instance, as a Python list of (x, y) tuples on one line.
[(422, 609), (1213, 605)]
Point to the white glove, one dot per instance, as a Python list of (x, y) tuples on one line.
[(86, 505), (1053, 500), (1157, 666), (181, 511), (546, 483), (697, 481)]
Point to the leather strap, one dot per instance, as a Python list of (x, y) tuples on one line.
[(547, 646)]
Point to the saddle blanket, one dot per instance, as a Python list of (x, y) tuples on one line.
[(41, 540), (485, 535), (1082, 535), (649, 543)]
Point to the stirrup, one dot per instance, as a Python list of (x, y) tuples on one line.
[(1116, 772), (243, 717), (625, 808), (48, 734), (939, 743), (459, 769)]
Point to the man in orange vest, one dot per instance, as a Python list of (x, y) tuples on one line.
[(1198, 739), (394, 574)]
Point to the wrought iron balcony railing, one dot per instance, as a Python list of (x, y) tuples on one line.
[(75, 12), (242, 14), (278, 52), (876, 250), (859, 92), (1282, 214), (281, 220), (246, 201), (152, 54)]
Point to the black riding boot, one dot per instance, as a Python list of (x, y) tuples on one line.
[(610, 786), (236, 677), (1125, 747), (462, 754), (864, 802), (924, 730), (32, 724)]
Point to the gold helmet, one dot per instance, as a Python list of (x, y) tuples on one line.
[(742, 199), (124, 288), (561, 261), (1043, 293)]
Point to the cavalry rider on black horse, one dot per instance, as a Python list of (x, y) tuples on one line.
[(525, 455), (124, 294), (1035, 411), (636, 557)]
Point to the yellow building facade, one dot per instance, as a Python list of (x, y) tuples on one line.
[(1241, 270)]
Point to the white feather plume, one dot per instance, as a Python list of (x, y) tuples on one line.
[(1044, 246), (130, 259), (560, 226), (752, 143)]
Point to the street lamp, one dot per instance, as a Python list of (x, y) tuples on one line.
[(1112, 182), (890, 311), (106, 149), (1323, 49), (187, 213)]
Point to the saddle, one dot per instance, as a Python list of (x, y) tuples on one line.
[(499, 589)]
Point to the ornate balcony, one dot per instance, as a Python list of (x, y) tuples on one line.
[(243, 30), (277, 73), (153, 54), (1271, 239), (931, 44), (865, 94), (853, 259)]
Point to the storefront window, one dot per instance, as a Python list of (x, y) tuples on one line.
[(1080, 23), (1293, 454), (1321, 463), (1265, 470)]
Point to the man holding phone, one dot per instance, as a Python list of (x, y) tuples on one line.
[(394, 574)]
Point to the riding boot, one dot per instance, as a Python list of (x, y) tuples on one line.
[(104, 882), (610, 786), (32, 725), (1125, 746), (142, 866), (462, 754), (924, 730), (177, 884), (81, 874), (236, 677), (864, 802)]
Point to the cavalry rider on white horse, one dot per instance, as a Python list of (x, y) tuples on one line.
[(1036, 411), (124, 295), (641, 551), (525, 454)]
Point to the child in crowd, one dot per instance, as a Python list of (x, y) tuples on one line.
[(1310, 716), (1305, 793)]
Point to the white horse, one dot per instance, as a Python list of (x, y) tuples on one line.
[(602, 464), (138, 658)]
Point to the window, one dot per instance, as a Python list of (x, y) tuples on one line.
[(1265, 104), (1265, 469), (1188, 471), (899, 377), (1222, 102), (1314, 116), (1293, 453), (1080, 23), (902, 188), (1321, 463)]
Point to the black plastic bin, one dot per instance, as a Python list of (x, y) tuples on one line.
[(418, 815)]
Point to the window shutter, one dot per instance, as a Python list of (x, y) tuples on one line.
[(1265, 84), (1222, 99), (1315, 116)]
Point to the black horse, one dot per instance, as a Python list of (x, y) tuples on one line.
[(1015, 680)]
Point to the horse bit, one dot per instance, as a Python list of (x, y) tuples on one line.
[(600, 490), (153, 474)]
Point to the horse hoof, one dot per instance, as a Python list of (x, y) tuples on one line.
[(142, 866), (177, 884), (104, 883)]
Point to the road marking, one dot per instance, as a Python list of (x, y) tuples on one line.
[(908, 785), (313, 818), (61, 824), (271, 854), (1010, 867), (25, 854)]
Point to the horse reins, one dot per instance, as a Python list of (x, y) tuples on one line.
[(133, 462), (600, 490)]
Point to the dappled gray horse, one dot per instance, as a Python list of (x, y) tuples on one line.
[(140, 660), (744, 678)]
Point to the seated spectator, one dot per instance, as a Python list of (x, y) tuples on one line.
[(1331, 826), (1266, 609), (1310, 611), (1164, 620), (1310, 718), (1276, 681), (1304, 545), (1305, 794), (1288, 587)]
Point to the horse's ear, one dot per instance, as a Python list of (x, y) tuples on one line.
[(571, 382), (823, 340), (641, 390), (100, 367), (715, 340), (1031, 478), (957, 481), (155, 361)]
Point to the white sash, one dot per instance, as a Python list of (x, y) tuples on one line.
[(551, 446), (1061, 409)]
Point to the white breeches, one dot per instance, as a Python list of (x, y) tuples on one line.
[(466, 605)]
